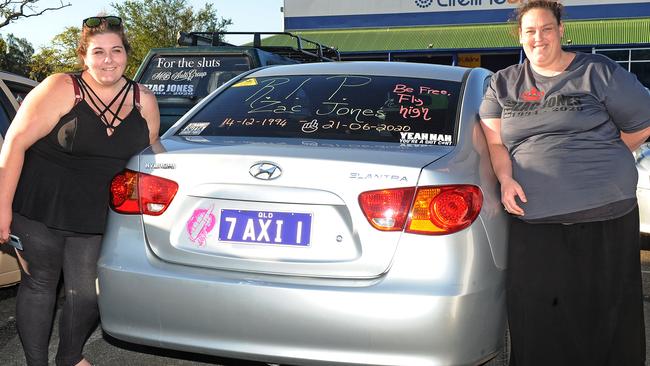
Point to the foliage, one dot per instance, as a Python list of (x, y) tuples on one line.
[(11, 10), (156, 23), (59, 56), (148, 24), (15, 54)]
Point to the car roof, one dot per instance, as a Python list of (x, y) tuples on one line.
[(374, 68), (17, 78)]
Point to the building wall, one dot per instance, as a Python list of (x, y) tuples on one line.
[(341, 14)]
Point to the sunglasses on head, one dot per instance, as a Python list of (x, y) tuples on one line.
[(110, 20)]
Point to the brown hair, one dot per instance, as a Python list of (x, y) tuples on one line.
[(102, 28), (553, 6)]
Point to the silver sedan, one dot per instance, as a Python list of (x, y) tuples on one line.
[(642, 156), (315, 214)]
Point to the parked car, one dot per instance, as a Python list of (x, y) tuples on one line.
[(181, 76), (323, 213), (642, 156), (13, 89)]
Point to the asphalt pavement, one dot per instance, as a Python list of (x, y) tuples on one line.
[(103, 350)]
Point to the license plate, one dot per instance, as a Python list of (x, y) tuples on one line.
[(265, 227)]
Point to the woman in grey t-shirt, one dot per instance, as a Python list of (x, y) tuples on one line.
[(560, 128)]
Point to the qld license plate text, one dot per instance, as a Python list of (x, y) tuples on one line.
[(265, 227)]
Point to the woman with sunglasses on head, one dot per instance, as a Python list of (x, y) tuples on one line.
[(561, 128), (72, 133)]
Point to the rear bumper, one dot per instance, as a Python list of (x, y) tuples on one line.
[(306, 321)]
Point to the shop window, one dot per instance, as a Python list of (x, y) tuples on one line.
[(616, 55), (641, 54), (364, 57), (497, 61), (642, 72), (424, 58), (636, 60)]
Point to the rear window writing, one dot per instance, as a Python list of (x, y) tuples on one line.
[(190, 76), (338, 107)]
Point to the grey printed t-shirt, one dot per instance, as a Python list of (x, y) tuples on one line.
[(562, 133)]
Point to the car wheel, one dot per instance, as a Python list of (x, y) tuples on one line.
[(503, 357)]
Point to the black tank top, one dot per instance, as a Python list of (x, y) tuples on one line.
[(66, 175)]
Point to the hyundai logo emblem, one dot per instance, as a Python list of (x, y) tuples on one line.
[(265, 171)]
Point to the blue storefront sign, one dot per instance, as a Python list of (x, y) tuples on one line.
[(343, 14)]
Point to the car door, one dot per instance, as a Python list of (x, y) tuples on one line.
[(13, 90)]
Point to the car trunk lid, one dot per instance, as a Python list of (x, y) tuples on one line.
[(278, 207)]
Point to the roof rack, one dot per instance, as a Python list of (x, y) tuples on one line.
[(313, 52)]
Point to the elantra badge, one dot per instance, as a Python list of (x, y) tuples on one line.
[(265, 171)]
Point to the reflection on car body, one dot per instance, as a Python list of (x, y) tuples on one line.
[(13, 89), (334, 213), (642, 156)]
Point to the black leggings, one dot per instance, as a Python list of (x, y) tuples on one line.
[(46, 253)]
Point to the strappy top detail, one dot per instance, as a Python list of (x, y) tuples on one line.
[(77, 90), (136, 97), (66, 174), (107, 115)]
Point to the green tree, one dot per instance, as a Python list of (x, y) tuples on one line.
[(156, 23), (59, 56), (148, 24), (15, 54)]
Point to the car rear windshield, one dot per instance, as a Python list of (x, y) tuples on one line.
[(338, 107), (190, 76)]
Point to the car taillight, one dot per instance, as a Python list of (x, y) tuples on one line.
[(387, 210), (139, 193), (445, 209), (124, 192), (435, 210)]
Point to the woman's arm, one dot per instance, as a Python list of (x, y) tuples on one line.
[(634, 139), (38, 114), (150, 112), (502, 166)]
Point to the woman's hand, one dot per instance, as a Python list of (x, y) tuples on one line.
[(510, 190), (5, 222), (633, 140)]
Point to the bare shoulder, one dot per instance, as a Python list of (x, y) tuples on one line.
[(57, 86), (146, 91), (147, 98), (55, 93), (43, 107), (58, 80), (150, 111)]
